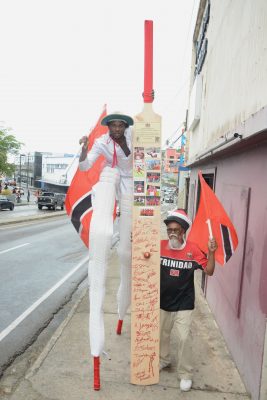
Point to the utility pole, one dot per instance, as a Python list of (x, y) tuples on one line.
[(28, 171), (20, 169), (21, 155)]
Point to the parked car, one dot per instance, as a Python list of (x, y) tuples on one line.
[(51, 200), (168, 199), (6, 204)]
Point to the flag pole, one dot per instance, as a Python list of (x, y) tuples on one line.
[(208, 221), (209, 228)]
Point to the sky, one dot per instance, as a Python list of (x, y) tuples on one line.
[(62, 60)]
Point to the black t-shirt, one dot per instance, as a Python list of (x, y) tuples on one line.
[(177, 291)]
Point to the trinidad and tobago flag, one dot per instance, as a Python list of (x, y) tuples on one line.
[(78, 200), (212, 220)]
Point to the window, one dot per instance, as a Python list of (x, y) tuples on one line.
[(209, 177), (201, 44)]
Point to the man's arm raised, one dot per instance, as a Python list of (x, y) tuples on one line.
[(84, 142), (212, 246)]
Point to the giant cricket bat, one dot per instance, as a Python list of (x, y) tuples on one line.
[(146, 233)]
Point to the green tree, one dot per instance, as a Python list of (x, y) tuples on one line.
[(8, 145)]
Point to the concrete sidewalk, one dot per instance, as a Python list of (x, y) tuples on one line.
[(63, 371)]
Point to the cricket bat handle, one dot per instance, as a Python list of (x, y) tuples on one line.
[(148, 65)]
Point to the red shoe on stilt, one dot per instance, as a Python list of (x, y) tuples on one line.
[(119, 326), (96, 373)]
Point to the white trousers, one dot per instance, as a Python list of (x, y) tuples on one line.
[(180, 321), (101, 232)]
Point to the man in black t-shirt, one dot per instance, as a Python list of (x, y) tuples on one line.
[(179, 260)]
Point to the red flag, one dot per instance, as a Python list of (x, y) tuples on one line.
[(78, 200), (210, 211)]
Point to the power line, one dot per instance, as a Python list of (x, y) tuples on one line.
[(167, 142), (185, 81), (189, 28), (184, 52)]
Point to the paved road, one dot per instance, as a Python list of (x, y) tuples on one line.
[(37, 261), (42, 263)]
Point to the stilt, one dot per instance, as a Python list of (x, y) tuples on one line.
[(96, 373), (119, 326)]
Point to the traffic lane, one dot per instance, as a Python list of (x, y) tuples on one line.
[(31, 263), (27, 331), (53, 251), (166, 207), (33, 228)]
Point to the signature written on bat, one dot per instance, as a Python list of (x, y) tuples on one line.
[(145, 299)]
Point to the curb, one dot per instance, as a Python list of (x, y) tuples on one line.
[(32, 218), (24, 203)]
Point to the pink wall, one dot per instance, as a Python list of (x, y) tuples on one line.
[(237, 293)]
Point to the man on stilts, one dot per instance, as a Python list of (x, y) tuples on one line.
[(115, 183)]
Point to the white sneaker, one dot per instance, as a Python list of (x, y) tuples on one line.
[(185, 385)]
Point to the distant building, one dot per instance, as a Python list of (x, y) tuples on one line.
[(171, 160), (49, 171), (28, 168), (58, 171)]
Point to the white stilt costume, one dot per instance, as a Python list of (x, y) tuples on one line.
[(115, 183), (101, 231)]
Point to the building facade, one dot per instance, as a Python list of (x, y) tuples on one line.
[(171, 160), (48, 171), (227, 141), (58, 171), (28, 169)]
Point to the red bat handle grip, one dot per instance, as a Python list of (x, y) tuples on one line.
[(96, 373), (148, 73)]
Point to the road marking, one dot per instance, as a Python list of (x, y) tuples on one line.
[(14, 248), (29, 310)]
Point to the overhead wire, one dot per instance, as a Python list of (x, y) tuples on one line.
[(187, 78)]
